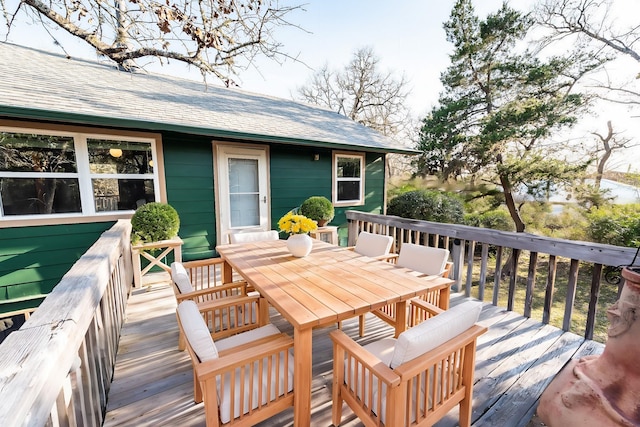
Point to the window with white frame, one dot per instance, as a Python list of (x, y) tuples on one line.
[(50, 173), (348, 179)]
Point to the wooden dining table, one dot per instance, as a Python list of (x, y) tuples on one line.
[(329, 285)]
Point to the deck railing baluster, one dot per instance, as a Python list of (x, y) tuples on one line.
[(549, 289), (596, 276), (483, 271), (531, 282), (497, 276), (571, 294), (513, 278), (470, 255)]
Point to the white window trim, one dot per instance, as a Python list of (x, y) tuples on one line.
[(83, 175), (335, 179)]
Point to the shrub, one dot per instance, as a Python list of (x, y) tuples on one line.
[(154, 221), (615, 225), (318, 208), (428, 205), (496, 219)]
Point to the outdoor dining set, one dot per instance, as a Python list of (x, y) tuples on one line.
[(246, 370)]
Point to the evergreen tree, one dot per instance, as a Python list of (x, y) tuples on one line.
[(499, 107)]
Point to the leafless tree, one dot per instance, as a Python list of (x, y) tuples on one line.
[(608, 143), (368, 96), (589, 20), (219, 37), (362, 93)]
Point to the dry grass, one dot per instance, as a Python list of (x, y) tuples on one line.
[(608, 293)]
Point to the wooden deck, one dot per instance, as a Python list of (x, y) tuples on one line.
[(153, 382)]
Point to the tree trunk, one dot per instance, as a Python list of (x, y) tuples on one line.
[(507, 268), (511, 204)]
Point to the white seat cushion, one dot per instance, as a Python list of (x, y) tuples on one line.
[(253, 236), (424, 259), (435, 331), (373, 245), (181, 278), (196, 331)]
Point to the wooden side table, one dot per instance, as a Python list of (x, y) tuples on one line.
[(140, 250), (328, 234)]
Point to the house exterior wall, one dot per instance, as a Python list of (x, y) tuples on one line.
[(34, 258)]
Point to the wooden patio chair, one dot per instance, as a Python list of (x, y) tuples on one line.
[(201, 282), (413, 380), (373, 245), (243, 379), (426, 262)]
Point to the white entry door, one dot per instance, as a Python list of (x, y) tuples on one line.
[(242, 184)]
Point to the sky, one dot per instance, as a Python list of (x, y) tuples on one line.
[(407, 36)]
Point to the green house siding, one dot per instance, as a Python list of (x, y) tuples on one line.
[(188, 162), (295, 176), (34, 259)]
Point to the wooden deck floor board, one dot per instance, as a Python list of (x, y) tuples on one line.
[(153, 382)]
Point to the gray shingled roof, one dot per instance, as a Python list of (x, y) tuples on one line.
[(46, 86)]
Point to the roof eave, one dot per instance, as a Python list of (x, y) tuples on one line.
[(87, 119)]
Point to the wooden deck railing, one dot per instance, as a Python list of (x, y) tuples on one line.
[(464, 242), (57, 368)]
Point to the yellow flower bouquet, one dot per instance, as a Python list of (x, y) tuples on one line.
[(296, 224)]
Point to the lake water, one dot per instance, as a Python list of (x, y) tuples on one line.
[(622, 194)]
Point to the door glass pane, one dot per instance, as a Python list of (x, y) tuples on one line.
[(121, 194), (243, 176), (244, 196), (244, 210), (31, 196)]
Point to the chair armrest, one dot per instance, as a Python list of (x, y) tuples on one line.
[(421, 310), (239, 300), (420, 304), (240, 356), (369, 361), (392, 258), (203, 262), (220, 291)]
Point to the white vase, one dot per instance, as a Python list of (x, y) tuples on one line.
[(299, 245)]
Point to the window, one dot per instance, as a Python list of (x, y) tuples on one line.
[(55, 173), (348, 176)]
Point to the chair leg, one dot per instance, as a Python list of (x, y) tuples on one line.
[(181, 341), (361, 325), (197, 389)]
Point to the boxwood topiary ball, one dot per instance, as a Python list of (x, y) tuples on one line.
[(154, 221), (317, 208)]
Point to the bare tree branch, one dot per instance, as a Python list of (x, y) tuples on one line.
[(219, 37)]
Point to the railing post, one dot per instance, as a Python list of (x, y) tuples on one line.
[(457, 256)]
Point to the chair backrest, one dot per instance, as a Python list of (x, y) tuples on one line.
[(373, 245), (424, 259), (253, 236), (434, 332), (180, 277), (196, 331)]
